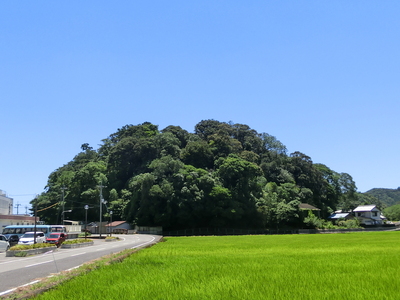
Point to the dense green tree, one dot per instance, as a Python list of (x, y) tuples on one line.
[(349, 198), (181, 134), (249, 138), (387, 197), (392, 212), (222, 175), (241, 178), (206, 128), (271, 144), (198, 154)]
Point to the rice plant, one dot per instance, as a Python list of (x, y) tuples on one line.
[(332, 266)]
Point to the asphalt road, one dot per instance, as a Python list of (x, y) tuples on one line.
[(18, 271)]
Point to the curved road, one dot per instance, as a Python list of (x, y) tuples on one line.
[(18, 271)]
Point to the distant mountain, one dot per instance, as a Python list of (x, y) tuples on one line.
[(386, 196)]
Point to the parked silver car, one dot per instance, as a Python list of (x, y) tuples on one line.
[(4, 245), (28, 237)]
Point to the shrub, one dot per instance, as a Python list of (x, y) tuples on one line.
[(34, 246), (83, 234), (348, 224), (77, 241), (312, 221), (21, 254)]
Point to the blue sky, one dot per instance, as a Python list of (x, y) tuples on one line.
[(321, 76)]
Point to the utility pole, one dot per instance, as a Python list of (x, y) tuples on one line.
[(111, 213), (86, 209), (101, 204), (34, 231), (17, 206), (63, 188)]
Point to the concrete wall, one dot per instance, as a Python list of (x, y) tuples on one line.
[(6, 204)]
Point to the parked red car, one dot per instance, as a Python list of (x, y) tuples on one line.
[(56, 238)]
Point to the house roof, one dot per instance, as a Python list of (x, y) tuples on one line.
[(115, 223), (338, 216), (366, 208), (307, 206)]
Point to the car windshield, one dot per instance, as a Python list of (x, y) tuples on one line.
[(54, 236), (28, 235)]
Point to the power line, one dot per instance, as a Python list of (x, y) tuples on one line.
[(17, 206)]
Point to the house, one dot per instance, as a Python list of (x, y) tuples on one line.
[(118, 227), (368, 215), (341, 215), (307, 207), (93, 227)]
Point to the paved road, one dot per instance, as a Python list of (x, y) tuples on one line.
[(17, 271)]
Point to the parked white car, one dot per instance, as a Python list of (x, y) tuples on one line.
[(27, 238), (4, 245)]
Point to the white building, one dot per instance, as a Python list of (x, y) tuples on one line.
[(369, 215), (6, 204), (6, 220)]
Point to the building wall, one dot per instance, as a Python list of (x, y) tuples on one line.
[(369, 217), (6, 204), (6, 220)]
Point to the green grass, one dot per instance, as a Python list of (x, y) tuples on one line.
[(331, 266)]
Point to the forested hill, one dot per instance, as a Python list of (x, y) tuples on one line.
[(221, 175), (387, 197)]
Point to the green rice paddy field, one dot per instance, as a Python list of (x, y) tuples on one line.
[(322, 266)]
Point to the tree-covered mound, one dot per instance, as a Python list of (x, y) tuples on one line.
[(221, 175)]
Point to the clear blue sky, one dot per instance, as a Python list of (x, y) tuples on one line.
[(321, 76)]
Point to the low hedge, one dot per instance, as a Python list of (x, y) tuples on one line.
[(28, 247), (77, 241)]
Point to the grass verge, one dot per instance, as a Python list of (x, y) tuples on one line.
[(48, 283)]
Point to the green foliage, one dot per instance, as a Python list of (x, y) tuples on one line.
[(223, 175), (77, 241), (349, 224), (387, 197), (392, 212), (33, 246), (83, 234), (312, 221)]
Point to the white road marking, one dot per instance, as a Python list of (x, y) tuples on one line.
[(45, 262), (9, 291), (78, 254), (73, 268), (144, 243)]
